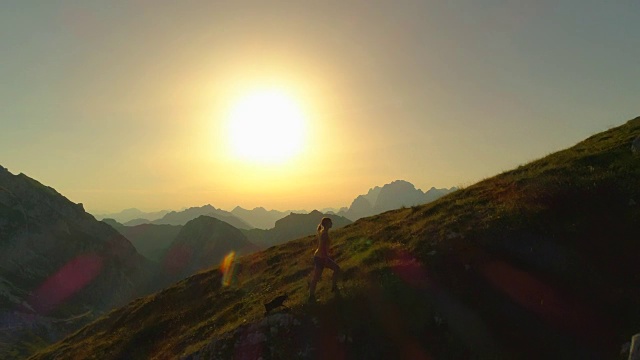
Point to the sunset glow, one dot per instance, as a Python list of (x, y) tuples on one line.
[(266, 126), (301, 105)]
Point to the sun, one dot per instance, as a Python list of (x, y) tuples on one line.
[(266, 126)]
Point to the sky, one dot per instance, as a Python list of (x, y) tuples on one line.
[(121, 104)]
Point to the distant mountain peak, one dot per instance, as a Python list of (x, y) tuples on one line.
[(203, 242), (391, 196)]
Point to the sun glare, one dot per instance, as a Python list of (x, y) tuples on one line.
[(266, 126)]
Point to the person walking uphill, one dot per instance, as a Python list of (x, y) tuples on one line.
[(322, 260)]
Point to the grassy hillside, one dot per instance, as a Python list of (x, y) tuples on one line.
[(537, 262)]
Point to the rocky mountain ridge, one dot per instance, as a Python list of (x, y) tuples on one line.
[(58, 262), (132, 214), (395, 195), (184, 216), (391, 196)]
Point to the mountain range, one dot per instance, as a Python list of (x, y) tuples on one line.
[(133, 215), (153, 240), (184, 216), (391, 196), (379, 199), (176, 217), (537, 262), (259, 217)]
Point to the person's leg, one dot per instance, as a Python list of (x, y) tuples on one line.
[(317, 273), (336, 273)]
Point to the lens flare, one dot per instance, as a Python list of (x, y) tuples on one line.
[(227, 267), (71, 278)]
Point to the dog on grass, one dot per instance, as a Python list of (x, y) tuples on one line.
[(277, 302)]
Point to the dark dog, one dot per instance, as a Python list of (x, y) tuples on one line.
[(278, 301)]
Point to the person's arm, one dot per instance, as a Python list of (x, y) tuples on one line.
[(330, 251)]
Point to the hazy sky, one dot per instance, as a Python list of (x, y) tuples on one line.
[(120, 104)]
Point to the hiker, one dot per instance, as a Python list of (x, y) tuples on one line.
[(321, 259)]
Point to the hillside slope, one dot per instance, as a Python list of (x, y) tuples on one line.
[(537, 262), (59, 266)]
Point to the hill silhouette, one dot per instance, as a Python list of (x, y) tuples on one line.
[(291, 227), (203, 242), (259, 217), (150, 240), (127, 215), (182, 217), (537, 262)]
